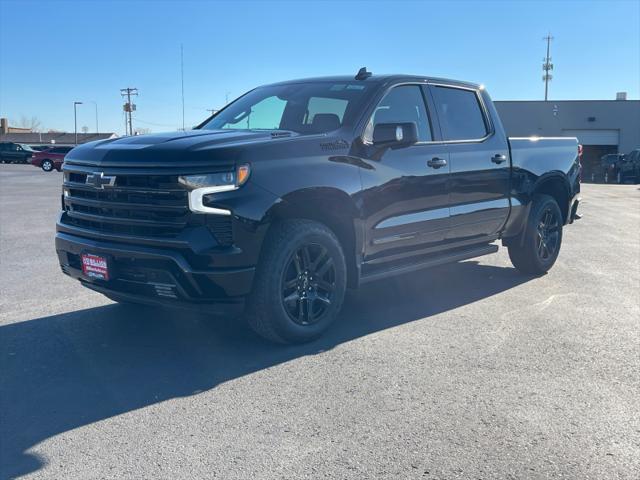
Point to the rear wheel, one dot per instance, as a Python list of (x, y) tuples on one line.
[(300, 283), (537, 250), (47, 165)]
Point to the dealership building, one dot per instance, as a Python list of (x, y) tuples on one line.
[(601, 126)]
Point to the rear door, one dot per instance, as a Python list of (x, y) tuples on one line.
[(405, 200), (14, 152), (479, 164)]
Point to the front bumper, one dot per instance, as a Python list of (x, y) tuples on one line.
[(152, 275)]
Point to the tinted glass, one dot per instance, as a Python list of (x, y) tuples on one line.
[(402, 105), (460, 114), (324, 105), (264, 115), (305, 108)]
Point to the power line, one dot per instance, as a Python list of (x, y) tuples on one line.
[(129, 107), (155, 124), (547, 66)]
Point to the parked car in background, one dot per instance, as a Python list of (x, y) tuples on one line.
[(50, 159), (609, 166), (629, 167), (15, 152)]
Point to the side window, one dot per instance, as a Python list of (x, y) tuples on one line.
[(402, 104), (266, 114), (460, 114)]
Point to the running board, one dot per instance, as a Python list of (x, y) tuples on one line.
[(451, 257)]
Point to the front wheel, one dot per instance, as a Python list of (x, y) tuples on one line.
[(47, 165), (538, 248), (300, 283)]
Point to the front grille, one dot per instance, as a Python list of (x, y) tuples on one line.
[(135, 205)]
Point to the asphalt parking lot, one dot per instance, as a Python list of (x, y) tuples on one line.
[(466, 371)]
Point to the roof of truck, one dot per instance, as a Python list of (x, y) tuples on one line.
[(386, 78)]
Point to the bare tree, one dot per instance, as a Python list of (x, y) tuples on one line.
[(85, 129), (34, 124)]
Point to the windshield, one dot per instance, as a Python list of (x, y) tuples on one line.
[(26, 147), (304, 108)]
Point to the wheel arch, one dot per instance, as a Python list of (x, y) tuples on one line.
[(333, 208), (556, 185)]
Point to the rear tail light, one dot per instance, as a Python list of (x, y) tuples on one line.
[(580, 162)]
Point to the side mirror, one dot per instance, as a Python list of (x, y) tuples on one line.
[(395, 134)]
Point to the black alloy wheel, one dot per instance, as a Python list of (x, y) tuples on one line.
[(536, 249), (548, 234), (308, 284), (299, 284)]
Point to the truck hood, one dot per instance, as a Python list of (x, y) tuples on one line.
[(194, 148)]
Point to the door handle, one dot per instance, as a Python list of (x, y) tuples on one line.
[(437, 162), (498, 158)]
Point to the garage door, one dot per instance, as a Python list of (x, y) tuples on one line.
[(594, 137)]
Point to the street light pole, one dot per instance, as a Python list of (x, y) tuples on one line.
[(75, 119)]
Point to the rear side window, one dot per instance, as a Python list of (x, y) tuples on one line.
[(325, 106), (402, 104), (460, 114)]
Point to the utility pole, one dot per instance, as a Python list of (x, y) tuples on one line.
[(95, 104), (547, 66), (182, 81), (75, 120), (129, 107)]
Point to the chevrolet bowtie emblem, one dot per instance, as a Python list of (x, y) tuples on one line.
[(100, 180)]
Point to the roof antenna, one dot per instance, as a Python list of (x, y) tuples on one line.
[(363, 74)]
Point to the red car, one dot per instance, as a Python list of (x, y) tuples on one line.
[(50, 159)]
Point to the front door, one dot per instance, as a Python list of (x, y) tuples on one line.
[(479, 164), (405, 197)]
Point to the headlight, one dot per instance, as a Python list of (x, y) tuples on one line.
[(224, 179), (211, 183)]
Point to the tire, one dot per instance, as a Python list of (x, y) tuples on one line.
[(47, 165), (300, 283), (537, 250)]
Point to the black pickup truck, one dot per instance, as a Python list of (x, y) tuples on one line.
[(296, 191)]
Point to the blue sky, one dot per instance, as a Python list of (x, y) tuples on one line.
[(55, 52)]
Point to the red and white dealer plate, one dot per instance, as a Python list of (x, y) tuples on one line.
[(95, 266)]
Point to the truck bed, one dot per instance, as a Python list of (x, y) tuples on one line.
[(541, 155)]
